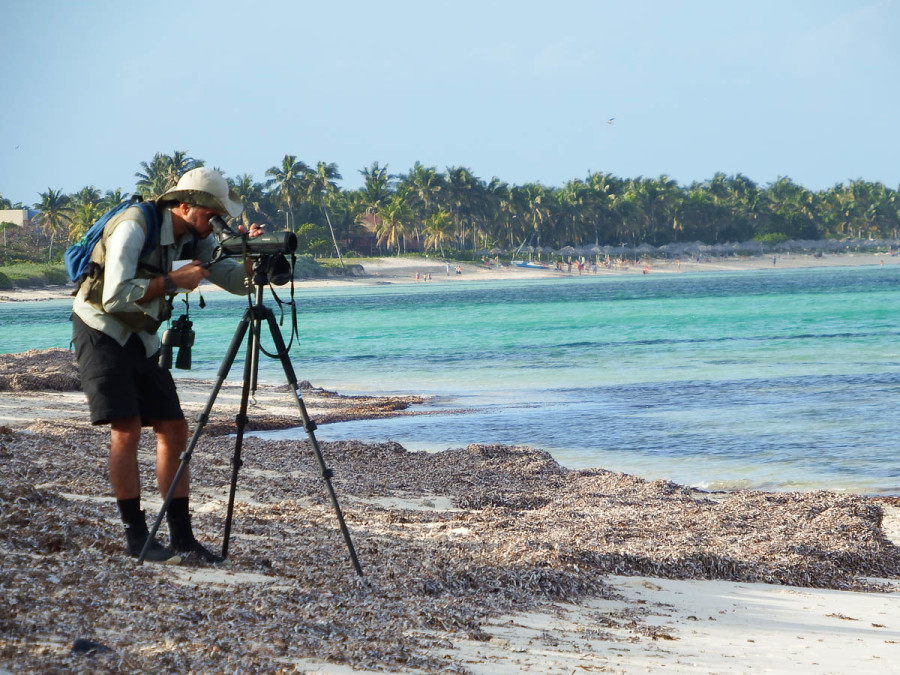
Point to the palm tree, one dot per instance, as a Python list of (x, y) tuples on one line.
[(498, 209), (86, 206), (606, 189), (745, 203), (180, 164), (655, 208), (438, 231), (154, 179), (54, 215), (320, 189), (575, 201), (790, 207), (162, 172), (536, 212), (250, 194), (288, 183), (393, 223), (461, 199), (422, 188), (111, 198), (377, 188)]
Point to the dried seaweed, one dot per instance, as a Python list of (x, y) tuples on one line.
[(514, 530)]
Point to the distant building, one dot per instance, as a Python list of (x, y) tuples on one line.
[(20, 217)]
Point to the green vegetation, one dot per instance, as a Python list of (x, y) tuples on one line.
[(32, 275), (460, 216)]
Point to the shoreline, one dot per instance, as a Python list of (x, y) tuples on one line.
[(381, 271), (490, 559)]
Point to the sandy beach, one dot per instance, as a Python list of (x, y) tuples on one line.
[(484, 559), (404, 270)]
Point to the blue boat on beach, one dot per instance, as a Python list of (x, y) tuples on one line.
[(530, 264)]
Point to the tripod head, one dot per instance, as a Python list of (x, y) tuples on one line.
[(272, 268)]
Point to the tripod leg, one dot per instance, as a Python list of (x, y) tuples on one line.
[(310, 427), (251, 365), (202, 419)]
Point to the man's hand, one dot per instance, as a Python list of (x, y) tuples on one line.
[(189, 276), (255, 229)]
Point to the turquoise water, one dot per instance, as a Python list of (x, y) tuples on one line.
[(772, 379)]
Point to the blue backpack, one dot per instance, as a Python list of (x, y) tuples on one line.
[(78, 256)]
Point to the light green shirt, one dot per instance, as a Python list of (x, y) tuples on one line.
[(121, 290)]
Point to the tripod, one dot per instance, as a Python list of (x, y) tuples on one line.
[(252, 319)]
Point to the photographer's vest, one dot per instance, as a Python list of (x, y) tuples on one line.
[(150, 266)]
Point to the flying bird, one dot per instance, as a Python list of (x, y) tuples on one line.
[(610, 120)]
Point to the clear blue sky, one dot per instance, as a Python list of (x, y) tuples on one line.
[(520, 90)]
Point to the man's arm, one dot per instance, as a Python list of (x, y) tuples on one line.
[(121, 291), (186, 277)]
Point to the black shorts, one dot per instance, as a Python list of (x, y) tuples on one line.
[(122, 382)]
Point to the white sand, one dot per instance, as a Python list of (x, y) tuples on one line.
[(705, 627)]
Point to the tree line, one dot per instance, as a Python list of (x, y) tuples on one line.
[(454, 212)]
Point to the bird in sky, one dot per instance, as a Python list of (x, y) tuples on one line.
[(610, 120)]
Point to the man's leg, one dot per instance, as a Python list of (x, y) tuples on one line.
[(171, 442), (124, 476), (125, 435)]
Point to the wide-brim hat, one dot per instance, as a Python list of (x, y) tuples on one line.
[(205, 187)]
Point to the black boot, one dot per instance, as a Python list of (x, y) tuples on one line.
[(136, 534), (181, 534)]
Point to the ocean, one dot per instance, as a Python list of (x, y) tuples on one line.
[(769, 379)]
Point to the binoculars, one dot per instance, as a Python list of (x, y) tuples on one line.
[(181, 337)]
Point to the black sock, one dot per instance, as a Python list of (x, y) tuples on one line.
[(179, 519), (130, 511)]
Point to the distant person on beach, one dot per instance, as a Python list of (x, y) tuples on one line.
[(116, 315)]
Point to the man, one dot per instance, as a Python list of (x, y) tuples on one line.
[(116, 314)]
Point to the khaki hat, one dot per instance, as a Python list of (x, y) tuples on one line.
[(205, 187)]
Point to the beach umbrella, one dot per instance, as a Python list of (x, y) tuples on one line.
[(694, 247), (673, 249)]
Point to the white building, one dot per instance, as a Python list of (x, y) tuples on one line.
[(20, 217)]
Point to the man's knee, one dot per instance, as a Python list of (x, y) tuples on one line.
[(171, 432), (125, 432)]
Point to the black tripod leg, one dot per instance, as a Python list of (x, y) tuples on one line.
[(251, 365), (202, 419), (310, 427)]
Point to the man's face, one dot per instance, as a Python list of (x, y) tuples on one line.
[(197, 219)]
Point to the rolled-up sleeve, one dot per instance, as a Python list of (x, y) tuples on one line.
[(121, 290)]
